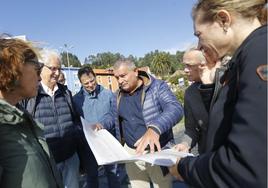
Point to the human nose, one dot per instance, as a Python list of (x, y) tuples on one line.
[(57, 71), (90, 85), (120, 80), (186, 70)]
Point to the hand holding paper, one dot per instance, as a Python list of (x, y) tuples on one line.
[(107, 149), (150, 138)]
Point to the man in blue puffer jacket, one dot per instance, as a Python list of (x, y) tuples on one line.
[(144, 112)]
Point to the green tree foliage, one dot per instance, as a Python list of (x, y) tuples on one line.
[(179, 93), (73, 60), (134, 59), (153, 58), (147, 59), (178, 58), (174, 79), (161, 64), (104, 60)]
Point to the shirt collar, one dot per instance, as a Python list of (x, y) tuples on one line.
[(49, 91)]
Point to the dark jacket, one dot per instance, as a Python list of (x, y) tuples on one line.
[(198, 100), (161, 110), (236, 146), (59, 118), (196, 117), (25, 160)]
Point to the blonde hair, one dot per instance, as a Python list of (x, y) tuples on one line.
[(246, 8)]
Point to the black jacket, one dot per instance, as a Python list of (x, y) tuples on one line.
[(236, 146), (196, 116)]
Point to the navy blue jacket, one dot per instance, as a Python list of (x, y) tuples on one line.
[(59, 118), (161, 109), (236, 147)]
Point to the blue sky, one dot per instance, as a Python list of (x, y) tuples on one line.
[(133, 27)]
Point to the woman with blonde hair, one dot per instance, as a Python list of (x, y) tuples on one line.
[(236, 141), (25, 160)]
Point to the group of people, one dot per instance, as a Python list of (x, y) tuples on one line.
[(225, 109)]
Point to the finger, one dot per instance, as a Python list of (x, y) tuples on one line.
[(137, 143), (178, 147), (97, 128), (203, 62), (151, 147), (158, 146), (141, 147), (201, 67)]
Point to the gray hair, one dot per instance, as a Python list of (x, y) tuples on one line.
[(46, 54), (124, 62), (200, 56)]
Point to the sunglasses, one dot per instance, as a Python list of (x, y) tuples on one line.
[(38, 66)]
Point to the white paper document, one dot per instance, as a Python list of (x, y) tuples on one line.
[(107, 150)]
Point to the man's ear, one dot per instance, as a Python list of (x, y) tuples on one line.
[(136, 70), (223, 17)]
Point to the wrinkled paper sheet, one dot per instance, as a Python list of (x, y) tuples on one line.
[(107, 150)]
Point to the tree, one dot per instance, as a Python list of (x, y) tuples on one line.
[(73, 60), (161, 64), (147, 59), (179, 56), (104, 60)]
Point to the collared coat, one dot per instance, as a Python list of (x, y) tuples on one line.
[(25, 159), (236, 146)]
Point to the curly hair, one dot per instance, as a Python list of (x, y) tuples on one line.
[(13, 54)]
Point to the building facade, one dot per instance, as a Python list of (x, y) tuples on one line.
[(105, 77)]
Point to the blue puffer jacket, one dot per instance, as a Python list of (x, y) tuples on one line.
[(59, 119), (161, 110)]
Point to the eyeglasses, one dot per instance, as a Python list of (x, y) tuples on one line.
[(38, 66), (53, 69)]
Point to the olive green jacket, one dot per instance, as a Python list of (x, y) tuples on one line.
[(25, 160)]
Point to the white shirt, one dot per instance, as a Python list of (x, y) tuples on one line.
[(49, 91)]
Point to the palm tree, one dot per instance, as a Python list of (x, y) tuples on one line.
[(161, 64)]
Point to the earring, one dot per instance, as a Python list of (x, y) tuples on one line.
[(225, 29)]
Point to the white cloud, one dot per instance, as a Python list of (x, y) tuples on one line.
[(181, 46)]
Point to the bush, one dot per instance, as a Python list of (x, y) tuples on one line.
[(179, 93)]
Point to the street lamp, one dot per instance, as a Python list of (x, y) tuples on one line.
[(67, 48), (67, 53)]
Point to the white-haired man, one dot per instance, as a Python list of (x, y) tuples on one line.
[(53, 107)]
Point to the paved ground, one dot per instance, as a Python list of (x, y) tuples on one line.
[(178, 133)]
